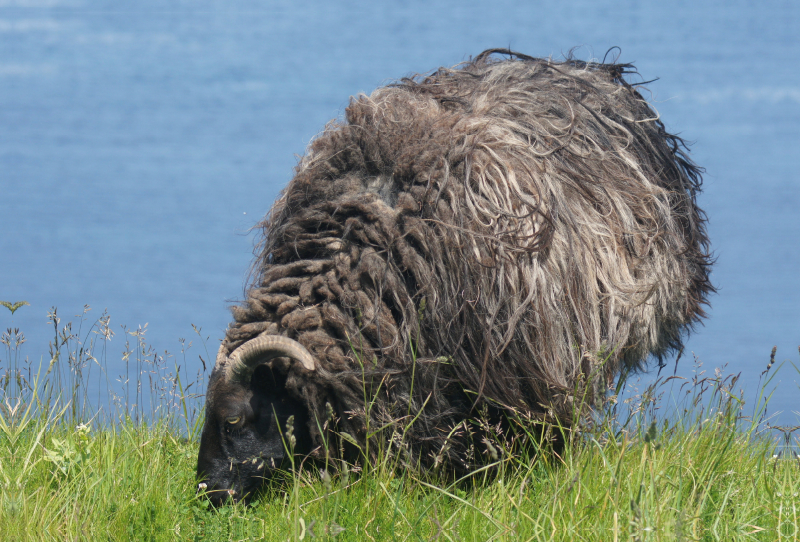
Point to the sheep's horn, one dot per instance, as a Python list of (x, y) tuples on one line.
[(221, 357), (262, 349)]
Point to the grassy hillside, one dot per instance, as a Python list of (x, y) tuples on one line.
[(686, 461)]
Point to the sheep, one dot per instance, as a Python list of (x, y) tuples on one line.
[(499, 239)]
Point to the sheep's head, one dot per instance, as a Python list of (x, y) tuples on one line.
[(247, 408)]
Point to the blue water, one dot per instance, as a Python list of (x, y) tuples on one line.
[(140, 141)]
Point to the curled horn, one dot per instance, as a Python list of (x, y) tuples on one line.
[(260, 350), (221, 357)]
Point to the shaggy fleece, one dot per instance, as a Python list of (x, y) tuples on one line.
[(501, 236)]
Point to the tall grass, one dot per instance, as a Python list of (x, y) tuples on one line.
[(89, 454)]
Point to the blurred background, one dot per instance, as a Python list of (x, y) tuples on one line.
[(140, 142)]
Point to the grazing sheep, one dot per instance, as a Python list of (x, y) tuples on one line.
[(499, 237)]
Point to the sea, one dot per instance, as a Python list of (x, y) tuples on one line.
[(140, 142)]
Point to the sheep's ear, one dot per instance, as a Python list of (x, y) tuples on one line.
[(241, 363), (269, 379)]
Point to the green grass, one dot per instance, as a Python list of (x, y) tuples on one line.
[(77, 473)]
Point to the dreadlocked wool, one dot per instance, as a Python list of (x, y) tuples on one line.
[(510, 233)]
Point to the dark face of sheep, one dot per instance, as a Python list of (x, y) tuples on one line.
[(248, 411)]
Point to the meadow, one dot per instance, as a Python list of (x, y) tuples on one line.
[(86, 454)]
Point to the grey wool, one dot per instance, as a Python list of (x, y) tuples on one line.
[(504, 235)]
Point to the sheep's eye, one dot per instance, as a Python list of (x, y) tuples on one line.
[(233, 420)]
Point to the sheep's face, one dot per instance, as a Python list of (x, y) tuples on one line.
[(244, 439)]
